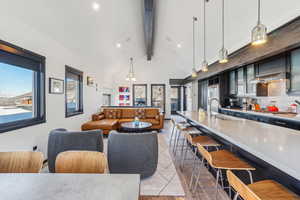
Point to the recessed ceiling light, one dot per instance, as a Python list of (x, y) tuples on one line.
[(118, 45), (96, 6), (179, 46)]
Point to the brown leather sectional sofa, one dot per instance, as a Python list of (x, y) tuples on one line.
[(111, 118)]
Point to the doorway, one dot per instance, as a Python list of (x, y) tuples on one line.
[(175, 99)]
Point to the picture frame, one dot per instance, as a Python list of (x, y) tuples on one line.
[(90, 81), (56, 86)]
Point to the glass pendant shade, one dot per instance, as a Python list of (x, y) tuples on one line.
[(259, 34), (223, 55), (204, 66), (194, 73)]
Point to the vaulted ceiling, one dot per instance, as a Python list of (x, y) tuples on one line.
[(95, 34)]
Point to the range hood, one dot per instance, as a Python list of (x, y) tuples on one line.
[(270, 77)]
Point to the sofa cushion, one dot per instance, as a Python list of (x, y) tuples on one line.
[(152, 112), (97, 117), (152, 121), (128, 113), (112, 114), (102, 124), (140, 113)]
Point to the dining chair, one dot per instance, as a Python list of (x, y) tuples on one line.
[(261, 190), (21, 162), (85, 162)]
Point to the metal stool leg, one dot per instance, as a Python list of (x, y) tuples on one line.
[(171, 136), (250, 176), (236, 196), (217, 184), (186, 150), (177, 141), (198, 177)]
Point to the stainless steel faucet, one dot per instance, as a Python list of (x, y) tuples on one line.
[(210, 102)]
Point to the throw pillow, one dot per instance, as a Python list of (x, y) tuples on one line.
[(140, 113)]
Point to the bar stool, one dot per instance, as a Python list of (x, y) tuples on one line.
[(174, 124), (222, 160), (183, 129), (261, 190), (21, 162), (203, 140)]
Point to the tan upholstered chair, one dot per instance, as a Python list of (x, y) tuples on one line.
[(21, 162), (86, 162)]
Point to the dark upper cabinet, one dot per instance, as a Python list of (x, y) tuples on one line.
[(202, 92), (232, 83), (272, 66), (294, 70)]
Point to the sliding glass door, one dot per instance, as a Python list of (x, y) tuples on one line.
[(158, 96), (140, 95)]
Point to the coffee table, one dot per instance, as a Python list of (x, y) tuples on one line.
[(133, 127)]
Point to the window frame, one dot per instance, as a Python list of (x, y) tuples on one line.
[(23, 56), (133, 93), (79, 73)]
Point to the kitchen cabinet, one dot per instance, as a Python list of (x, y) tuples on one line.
[(203, 93), (295, 71), (240, 82), (250, 76), (232, 83)]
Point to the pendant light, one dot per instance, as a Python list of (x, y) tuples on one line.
[(131, 76), (194, 71), (204, 67), (259, 32), (223, 53)]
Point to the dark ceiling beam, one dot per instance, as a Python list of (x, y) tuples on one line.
[(149, 17)]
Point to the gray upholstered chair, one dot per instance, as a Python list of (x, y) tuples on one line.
[(61, 140), (132, 153)]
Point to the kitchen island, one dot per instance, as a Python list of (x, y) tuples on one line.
[(277, 146)]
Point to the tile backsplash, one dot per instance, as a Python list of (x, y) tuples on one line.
[(277, 93)]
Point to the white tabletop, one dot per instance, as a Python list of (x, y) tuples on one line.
[(69, 187), (275, 145)]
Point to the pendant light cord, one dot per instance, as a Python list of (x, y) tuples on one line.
[(204, 29), (194, 20), (223, 31), (258, 12)]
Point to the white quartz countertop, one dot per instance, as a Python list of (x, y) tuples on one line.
[(69, 186), (296, 118), (275, 145)]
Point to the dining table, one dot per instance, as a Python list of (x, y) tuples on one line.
[(54, 186)]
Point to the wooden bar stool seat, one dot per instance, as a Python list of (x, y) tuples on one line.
[(204, 140), (224, 159), (21, 162), (87, 162), (262, 190)]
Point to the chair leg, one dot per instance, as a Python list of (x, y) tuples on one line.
[(250, 176), (198, 177), (171, 137), (236, 196), (177, 141), (217, 184), (186, 150), (193, 171)]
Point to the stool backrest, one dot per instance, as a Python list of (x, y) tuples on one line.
[(244, 191), (87, 162), (21, 162), (188, 137), (204, 153)]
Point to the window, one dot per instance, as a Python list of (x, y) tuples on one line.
[(74, 101), (158, 96), (140, 95), (22, 88), (175, 99)]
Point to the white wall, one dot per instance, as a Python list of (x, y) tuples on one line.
[(57, 56)]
